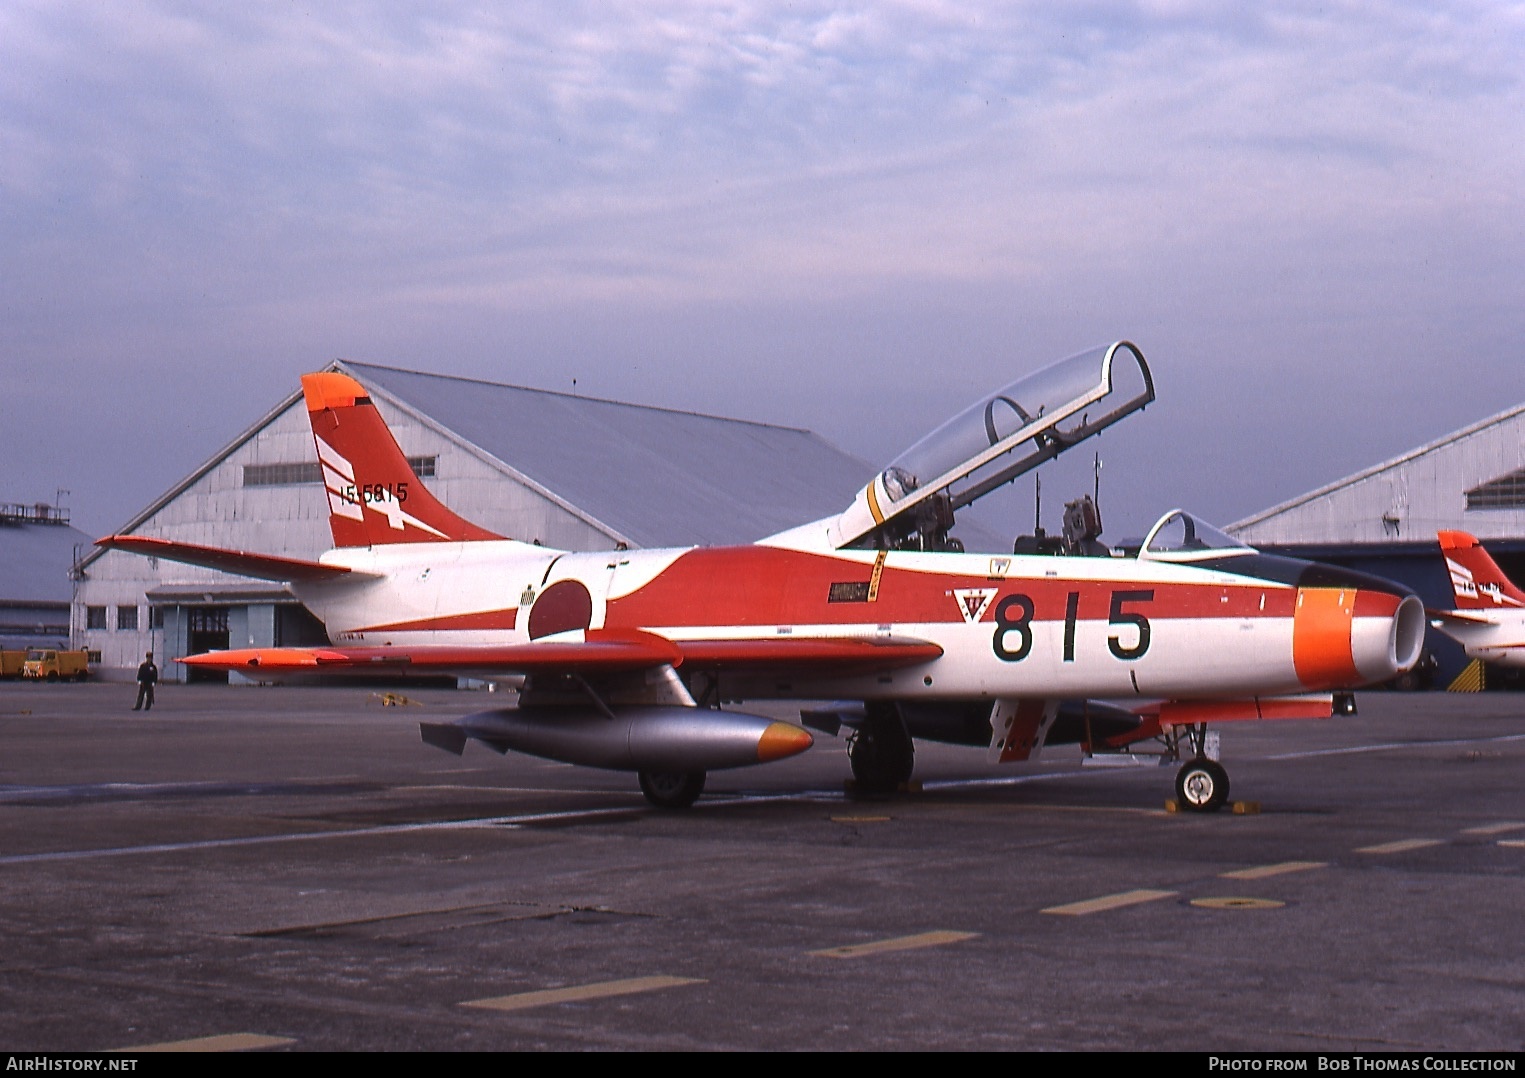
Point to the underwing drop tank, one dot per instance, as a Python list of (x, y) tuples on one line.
[(655, 739)]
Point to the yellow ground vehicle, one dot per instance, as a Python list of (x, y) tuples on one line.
[(11, 663), (48, 664)]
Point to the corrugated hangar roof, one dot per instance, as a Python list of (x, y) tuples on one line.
[(1470, 480), (659, 476)]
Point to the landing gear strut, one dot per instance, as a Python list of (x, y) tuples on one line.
[(672, 789), (881, 751)]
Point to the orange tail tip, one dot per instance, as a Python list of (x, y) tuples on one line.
[(1456, 540), (1476, 580), (374, 497), (331, 389)]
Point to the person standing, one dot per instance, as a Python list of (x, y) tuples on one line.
[(148, 677)]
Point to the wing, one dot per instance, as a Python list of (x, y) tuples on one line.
[(239, 562), (590, 652)]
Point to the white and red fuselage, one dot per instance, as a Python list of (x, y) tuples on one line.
[(625, 654), (1001, 625)]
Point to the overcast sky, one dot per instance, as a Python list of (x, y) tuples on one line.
[(1309, 216)]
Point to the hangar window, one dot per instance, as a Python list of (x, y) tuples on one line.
[(284, 475), (1505, 492), (280, 475), (95, 617), (126, 617)]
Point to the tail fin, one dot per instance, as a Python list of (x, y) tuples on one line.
[(1476, 580), (374, 497)]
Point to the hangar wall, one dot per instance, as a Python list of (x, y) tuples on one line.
[(1472, 480), (126, 605), (1383, 520)]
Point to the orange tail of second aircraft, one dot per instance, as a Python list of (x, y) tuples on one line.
[(374, 497), (1476, 580)]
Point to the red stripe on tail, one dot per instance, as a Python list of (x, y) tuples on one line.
[(373, 495), (1476, 580)]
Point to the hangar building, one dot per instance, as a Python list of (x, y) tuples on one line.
[(1383, 520), (37, 548), (572, 472)]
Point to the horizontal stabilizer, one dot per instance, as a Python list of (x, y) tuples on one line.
[(1458, 617), (238, 562)]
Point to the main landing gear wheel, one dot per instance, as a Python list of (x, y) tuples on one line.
[(672, 789), (882, 753), (1202, 785)]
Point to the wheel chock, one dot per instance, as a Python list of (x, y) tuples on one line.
[(1238, 808)]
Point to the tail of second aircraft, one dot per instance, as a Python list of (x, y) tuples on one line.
[(1476, 580), (374, 497)]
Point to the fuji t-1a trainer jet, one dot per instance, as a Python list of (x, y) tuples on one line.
[(879, 613), (1489, 619)]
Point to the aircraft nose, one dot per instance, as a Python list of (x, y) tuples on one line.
[(1350, 629)]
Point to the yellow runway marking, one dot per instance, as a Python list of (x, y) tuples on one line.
[(1227, 903), (525, 1000), (1108, 902), (1260, 872), (860, 819), (901, 943), (222, 1042), (1513, 843), (1494, 829), (1403, 845)]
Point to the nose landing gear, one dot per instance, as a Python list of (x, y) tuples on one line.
[(1202, 785)]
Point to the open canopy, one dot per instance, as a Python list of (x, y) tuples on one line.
[(996, 439)]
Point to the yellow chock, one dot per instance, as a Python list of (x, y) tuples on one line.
[(1246, 808), (394, 699)]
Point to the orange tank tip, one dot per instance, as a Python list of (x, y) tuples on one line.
[(330, 389), (781, 740)]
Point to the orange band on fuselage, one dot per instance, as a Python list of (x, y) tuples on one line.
[(330, 389), (1321, 627)]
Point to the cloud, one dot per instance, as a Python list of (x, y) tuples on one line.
[(656, 186)]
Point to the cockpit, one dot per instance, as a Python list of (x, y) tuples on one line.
[(911, 505), (1179, 536)]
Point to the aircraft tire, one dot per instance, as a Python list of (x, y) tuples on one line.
[(882, 755), (1202, 785), (672, 789)]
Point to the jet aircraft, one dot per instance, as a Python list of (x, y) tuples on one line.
[(878, 614), (1489, 619)]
